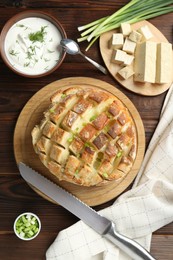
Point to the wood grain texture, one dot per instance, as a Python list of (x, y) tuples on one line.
[(15, 195)]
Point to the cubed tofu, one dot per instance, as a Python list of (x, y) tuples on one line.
[(118, 56), (116, 41), (135, 36), (145, 62), (126, 72), (125, 29), (128, 59), (129, 46), (146, 33), (164, 65)]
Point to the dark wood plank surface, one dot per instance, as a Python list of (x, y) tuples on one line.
[(15, 195)]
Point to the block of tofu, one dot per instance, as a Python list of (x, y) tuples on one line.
[(125, 28), (116, 41), (145, 62), (164, 65), (146, 33), (126, 72), (129, 46), (118, 56), (135, 36), (128, 59)]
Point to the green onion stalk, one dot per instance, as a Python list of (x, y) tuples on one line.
[(133, 12)]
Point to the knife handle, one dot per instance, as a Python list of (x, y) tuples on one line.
[(129, 246)]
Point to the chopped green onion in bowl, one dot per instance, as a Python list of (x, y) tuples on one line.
[(27, 226)]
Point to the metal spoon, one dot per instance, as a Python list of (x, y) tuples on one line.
[(72, 48)]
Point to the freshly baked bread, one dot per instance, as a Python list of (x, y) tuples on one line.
[(87, 137)]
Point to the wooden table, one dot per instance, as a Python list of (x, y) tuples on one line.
[(15, 195)]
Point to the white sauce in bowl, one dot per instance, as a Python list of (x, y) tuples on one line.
[(32, 45)]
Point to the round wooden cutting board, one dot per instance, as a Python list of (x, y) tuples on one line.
[(31, 115), (147, 89)]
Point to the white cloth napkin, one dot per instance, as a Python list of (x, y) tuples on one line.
[(137, 213)]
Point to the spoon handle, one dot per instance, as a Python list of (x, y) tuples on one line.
[(98, 66)]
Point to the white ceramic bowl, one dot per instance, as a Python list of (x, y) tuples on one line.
[(29, 216), (16, 44)]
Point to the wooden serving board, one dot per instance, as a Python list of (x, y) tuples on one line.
[(147, 89), (31, 115)]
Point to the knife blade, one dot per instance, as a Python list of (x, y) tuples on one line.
[(100, 224)]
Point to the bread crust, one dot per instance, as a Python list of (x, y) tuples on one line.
[(87, 137)]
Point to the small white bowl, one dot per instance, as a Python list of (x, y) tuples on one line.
[(21, 234)]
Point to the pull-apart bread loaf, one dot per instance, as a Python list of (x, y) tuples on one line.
[(87, 137)]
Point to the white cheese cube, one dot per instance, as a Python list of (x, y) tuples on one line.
[(128, 59), (145, 62), (146, 33), (129, 46), (125, 28), (164, 65), (118, 56), (116, 41), (135, 36), (126, 72)]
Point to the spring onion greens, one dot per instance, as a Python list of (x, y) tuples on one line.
[(132, 12), (27, 226)]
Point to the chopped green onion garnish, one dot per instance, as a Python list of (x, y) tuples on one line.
[(63, 95), (27, 226), (51, 110), (87, 144), (76, 172), (93, 118), (70, 139), (105, 175), (119, 154)]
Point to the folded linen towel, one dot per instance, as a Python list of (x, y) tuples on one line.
[(138, 212)]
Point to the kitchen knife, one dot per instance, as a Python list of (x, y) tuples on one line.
[(100, 224)]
